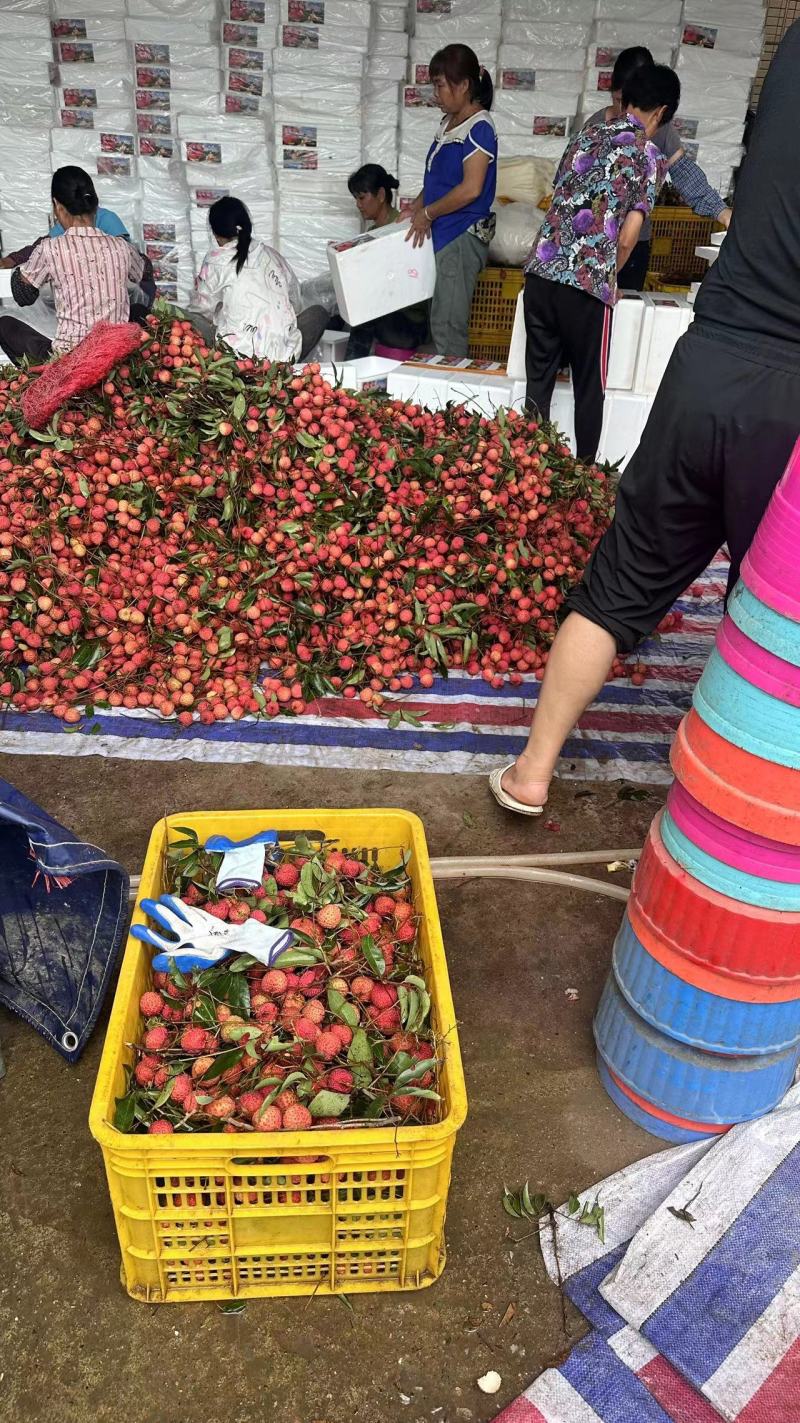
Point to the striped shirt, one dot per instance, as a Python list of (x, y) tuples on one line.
[(89, 273)]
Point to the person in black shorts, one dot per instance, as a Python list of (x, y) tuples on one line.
[(719, 436)]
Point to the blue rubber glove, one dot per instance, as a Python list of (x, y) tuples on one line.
[(243, 863), (200, 940)]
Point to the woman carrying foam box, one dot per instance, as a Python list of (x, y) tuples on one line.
[(405, 330), (455, 205)]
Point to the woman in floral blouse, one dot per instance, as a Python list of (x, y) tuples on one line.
[(607, 182)]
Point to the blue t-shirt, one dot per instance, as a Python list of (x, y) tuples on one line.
[(444, 170), (107, 221)]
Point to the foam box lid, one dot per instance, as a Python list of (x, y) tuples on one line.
[(380, 272)]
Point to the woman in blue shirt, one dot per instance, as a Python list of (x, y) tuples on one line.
[(455, 205)]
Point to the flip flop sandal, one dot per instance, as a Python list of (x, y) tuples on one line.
[(509, 802)]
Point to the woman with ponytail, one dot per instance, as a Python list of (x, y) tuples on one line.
[(247, 290), (455, 205)]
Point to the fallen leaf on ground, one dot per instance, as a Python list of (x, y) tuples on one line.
[(509, 1315)]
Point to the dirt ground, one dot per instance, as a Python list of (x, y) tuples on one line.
[(74, 1345)]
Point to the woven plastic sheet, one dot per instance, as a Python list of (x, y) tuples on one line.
[(63, 914)]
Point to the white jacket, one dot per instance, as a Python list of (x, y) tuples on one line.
[(254, 311)]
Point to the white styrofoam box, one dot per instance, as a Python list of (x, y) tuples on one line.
[(659, 12), (380, 272), (612, 36), (325, 12), (26, 7), (389, 67), (723, 38), (318, 147), (626, 329), (181, 58), (173, 76), (389, 17), (109, 83), (388, 42), (100, 9), (339, 101), (515, 362), (719, 130), (553, 10), (302, 63), (420, 54), (549, 117), (664, 319), (197, 11), (90, 29), (719, 165), (367, 373), (483, 392), (177, 101), (74, 144), (706, 67), (549, 34), (141, 29), (21, 57), (624, 418), (28, 105), (537, 60), (324, 39), (17, 25), (91, 52), (376, 92)]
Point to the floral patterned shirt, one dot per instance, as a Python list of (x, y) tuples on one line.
[(609, 170)]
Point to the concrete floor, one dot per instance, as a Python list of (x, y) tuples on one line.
[(74, 1344)]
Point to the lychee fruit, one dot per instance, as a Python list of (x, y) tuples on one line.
[(181, 1087), (340, 985), (353, 868), (329, 916), (259, 916), (160, 978), (403, 911), (340, 1079), (201, 1066), (314, 1010), (194, 1040), (344, 954), (372, 924), (361, 988), (287, 876), (286, 1099), (223, 1013), (268, 1119), (267, 1013), (239, 912), (161, 1077), (222, 1108), (144, 1074), (328, 1045), (249, 1103), (151, 1004), (335, 861), (160, 1128), (306, 1030), (274, 982), (343, 1033), (297, 1118), (384, 905), (383, 995), (386, 1020), (156, 1038), (406, 933), (405, 1105), (218, 910), (403, 1042)]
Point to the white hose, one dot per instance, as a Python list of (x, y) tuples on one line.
[(530, 869)]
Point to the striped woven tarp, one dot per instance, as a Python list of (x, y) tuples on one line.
[(465, 725), (694, 1320)]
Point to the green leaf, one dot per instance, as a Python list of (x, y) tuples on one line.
[(307, 441), (125, 1112), (373, 956), (329, 1104), (225, 639), (239, 407), (394, 720), (424, 1092), (222, 1063), (307, 880), (415, 1073), (232, 1306), (205, 1013), (177, 977), (298, 958), (166, 1092), (360, 1051), (510, 1205), (84, 486), (340, 1008), (573, 1205)]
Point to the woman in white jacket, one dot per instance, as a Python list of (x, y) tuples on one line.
[(250, 294)]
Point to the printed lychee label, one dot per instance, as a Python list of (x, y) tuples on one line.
[(63, 29), (303, 160), (159, 232), (244, 81), (518, 79), (80, 98), (604, 79), (203, 152), (117, 143), (161, 252), (434, 7), (545, 126), (246, 35), (154, 123), (158, 99), (77, 118), (418, 96), (151, 53), (113, 166), (154, 145), (300, 37), (205, 197), (686, 127), (72, 52), (239, 58), (606, 55), (168, 291), (306, 12), (422, 74), (251, 11), (700, 36), (242, 104), (154, 76)]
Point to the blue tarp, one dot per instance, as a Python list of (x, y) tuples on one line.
[(63, 916)]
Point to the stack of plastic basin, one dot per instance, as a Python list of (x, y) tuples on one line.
[(698, 1026)]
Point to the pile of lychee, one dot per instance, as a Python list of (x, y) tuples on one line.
[(336, 1033)]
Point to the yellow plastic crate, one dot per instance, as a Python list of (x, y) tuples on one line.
[(676, 231), (237, 1216), (494, 304)]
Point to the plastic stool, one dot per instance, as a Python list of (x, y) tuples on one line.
[(393, 353)]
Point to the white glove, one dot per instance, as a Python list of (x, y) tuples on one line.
[(201, 940), (243, 860)]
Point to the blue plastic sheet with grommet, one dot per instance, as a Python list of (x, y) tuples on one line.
[(63, 917)]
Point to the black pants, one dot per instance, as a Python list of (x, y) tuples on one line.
[(394, 329), (19, 340), (631, 277), (720, 433), (564, 326)]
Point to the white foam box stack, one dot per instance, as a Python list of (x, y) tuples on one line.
[(247, 45), (327, 27), (610, 38), (541, 70), (26, 54), (227, 154), (715, 92), (665, 317), (420, 117), (166, 231), (24, 192), (387, 63), (313, 210)]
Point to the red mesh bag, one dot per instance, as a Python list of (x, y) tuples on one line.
[(81, 368)]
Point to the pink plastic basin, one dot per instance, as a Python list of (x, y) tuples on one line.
[(771, 568), (741, 849), (758, 666)]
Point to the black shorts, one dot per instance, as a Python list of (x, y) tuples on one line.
[(719, 436)]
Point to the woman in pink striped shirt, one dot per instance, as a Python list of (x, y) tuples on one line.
[(88, 271)]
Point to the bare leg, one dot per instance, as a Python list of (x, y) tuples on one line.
[(578, 665)]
